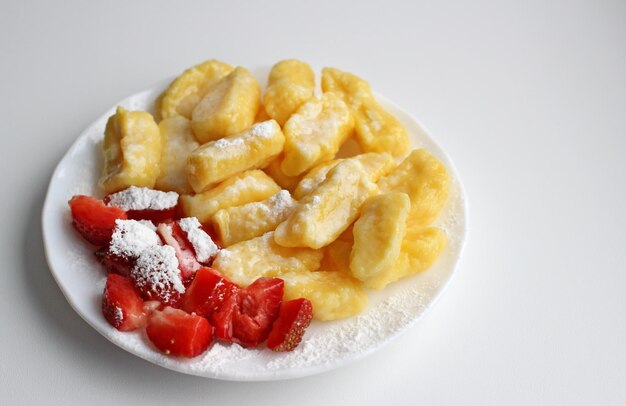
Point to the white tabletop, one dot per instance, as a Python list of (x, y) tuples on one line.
[(527, 97)]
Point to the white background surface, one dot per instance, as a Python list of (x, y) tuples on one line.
[(529, 100)]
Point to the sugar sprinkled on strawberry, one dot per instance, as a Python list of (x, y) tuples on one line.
[(141, 198), (157, 276), (202, 242), (173, 236), (132, 237)]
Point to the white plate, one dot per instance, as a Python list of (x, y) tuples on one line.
[(326, 345)]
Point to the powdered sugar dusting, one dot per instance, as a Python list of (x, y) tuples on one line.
[(132, 237), (227, 143), (141, 198), (222, 356), (203, 245), (355, 336), (281, 201), (279, 206), (118, 316), (157, 271), (264, 129)]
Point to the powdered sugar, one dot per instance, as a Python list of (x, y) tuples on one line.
[(264, 129), (131, 237), (203, 245), (279, 206), (227, 143), (281, 201), (118, 316), (156, 271), (141, 198), (354, 336)]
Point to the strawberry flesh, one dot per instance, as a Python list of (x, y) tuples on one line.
[(175, 237), (257, 310), (175, 332), (114, 263), (293, 319), (207, 293), (223, 319), (156, 276), (122, 305), (93, 219), (156, 216)]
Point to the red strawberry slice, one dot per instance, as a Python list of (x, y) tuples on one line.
[(156, 216), (293, 319), (258, 309), (207, 293), (156, 275), (121, 304), (114, 263), (172, 235), (175, 332), (223, 319), (93, 219), (143, 203)]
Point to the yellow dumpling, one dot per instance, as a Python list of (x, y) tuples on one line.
[(326, 212), (420, 249), (218, 160), (250, 186), (228, 107), (286, 182), (186, 91), (132, 151), (314, 133), (334, 295), (244, 262), (290, 84), (337, 256), (375, 165), (178, 143), (376, 130), (424, 178), (378, 236), (240, 223)]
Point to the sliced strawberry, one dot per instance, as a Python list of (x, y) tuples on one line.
[(247, 316), (93, 219), (223, 319), (121, 304), (207, 293), (172, 235), (156, 275), (156, 216), (258, 309), (198, 238), (141, 203), (293, 318), (177, 333), (150, 306), (114, 263)]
